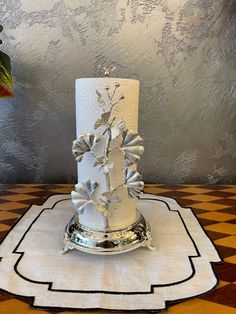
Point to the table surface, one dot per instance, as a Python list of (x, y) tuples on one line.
[(214, 205)]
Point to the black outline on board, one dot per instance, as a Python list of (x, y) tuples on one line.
[(32, 298)]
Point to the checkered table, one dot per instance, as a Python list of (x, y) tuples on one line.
[(215, 207)]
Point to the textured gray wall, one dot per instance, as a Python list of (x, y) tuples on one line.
[(183, 52)]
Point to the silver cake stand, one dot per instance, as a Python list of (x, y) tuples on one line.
[(119, 241)]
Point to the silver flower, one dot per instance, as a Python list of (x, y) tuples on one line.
[(117, 128), (133, 182), (110, 198), (103, 121), (104, 163), (84, 144), (132, 147), (82, 196)]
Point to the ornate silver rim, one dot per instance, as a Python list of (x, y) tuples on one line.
[(88, 240)]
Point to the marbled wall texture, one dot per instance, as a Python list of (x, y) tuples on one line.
[(183, 52)]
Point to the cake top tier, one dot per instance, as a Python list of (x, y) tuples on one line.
[(106, 79)]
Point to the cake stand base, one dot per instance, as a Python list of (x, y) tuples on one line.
[(119, 241)]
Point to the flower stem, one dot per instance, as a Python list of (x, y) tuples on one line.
[(107, 177), (92, 153)]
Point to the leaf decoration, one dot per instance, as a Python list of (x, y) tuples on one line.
[(132, 147), (100, 100), (6, 83), (84, 144), (111, 197), (104, 163), (133, 182), (82, 196), (103, 120), (117, 129)]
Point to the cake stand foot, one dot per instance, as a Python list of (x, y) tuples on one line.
[(67, 245), (151, 247), (148, 242)]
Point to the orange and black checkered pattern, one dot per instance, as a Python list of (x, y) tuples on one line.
[(215, 207)]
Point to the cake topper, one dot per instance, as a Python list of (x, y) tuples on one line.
[(107, 69)]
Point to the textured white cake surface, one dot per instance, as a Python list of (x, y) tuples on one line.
[(87, 113)]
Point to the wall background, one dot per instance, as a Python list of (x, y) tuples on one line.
[(183, 52)]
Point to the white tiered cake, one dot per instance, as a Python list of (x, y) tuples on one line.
[(107, 149)]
